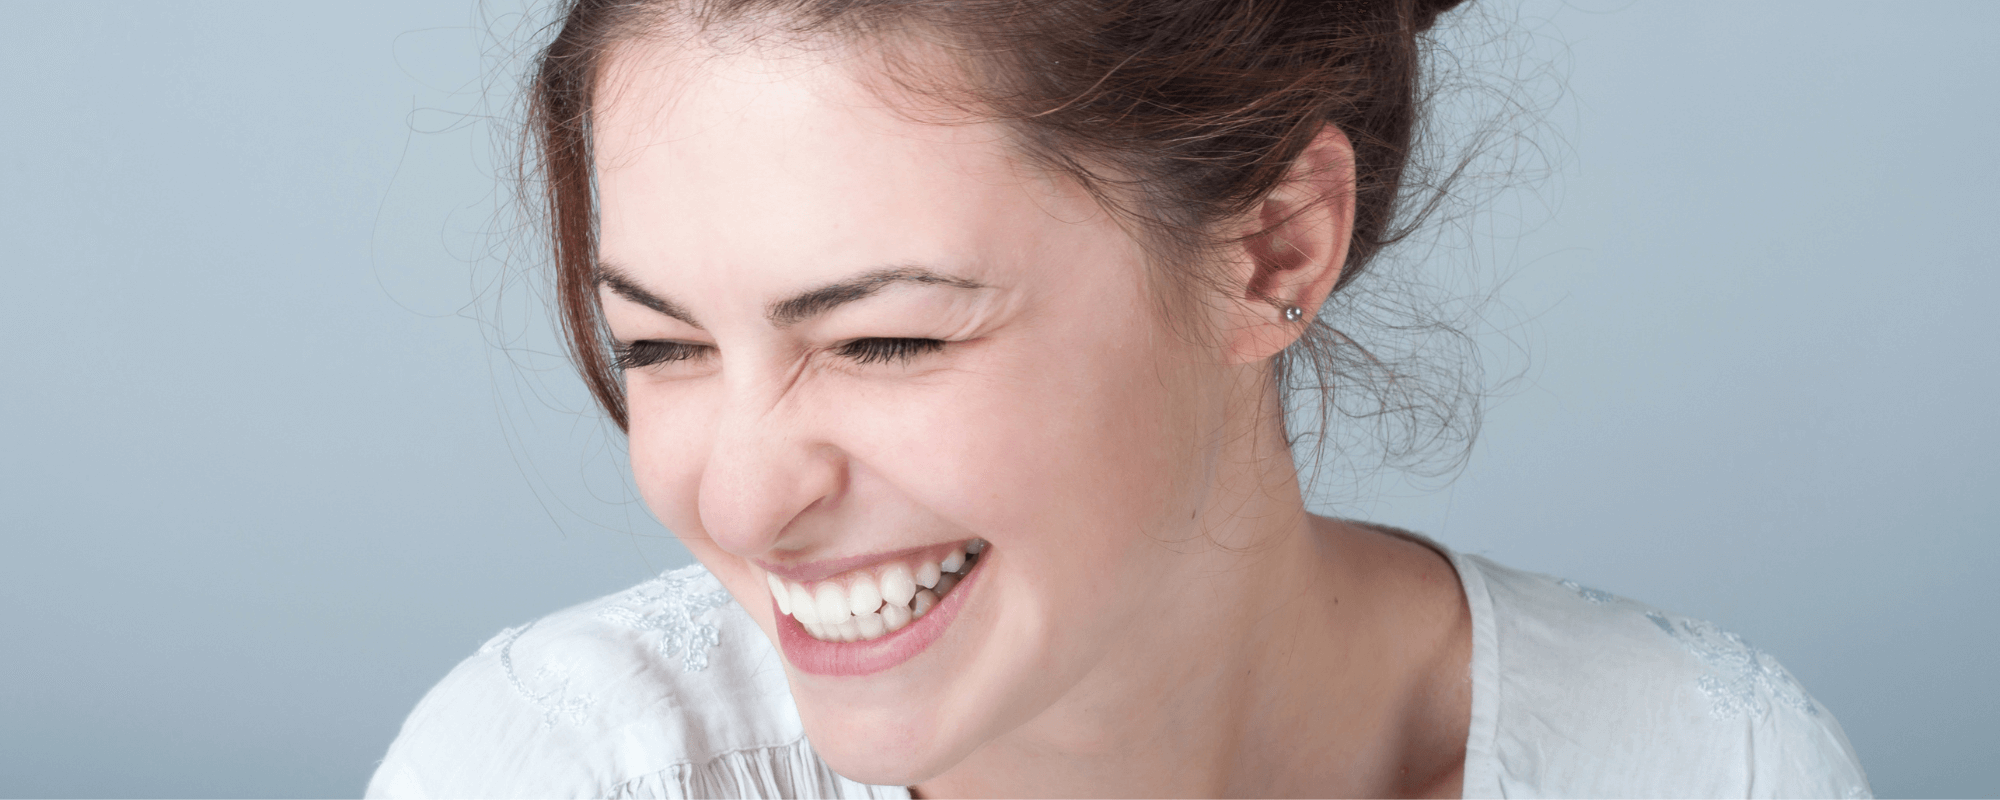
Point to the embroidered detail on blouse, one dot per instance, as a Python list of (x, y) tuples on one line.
[(669, 605), (1742, 679), (556, 703), (505, 637), (1597, 596)]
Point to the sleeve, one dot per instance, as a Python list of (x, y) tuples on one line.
[(485, 732), (1804, 755), (668, 688), (1776, 740), (1594, 695)]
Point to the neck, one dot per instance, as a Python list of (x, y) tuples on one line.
[(1264, 673)]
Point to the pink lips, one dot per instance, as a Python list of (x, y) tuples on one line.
[(875, 655)]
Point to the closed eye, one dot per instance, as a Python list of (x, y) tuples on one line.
[(882, 351), (646, 353)]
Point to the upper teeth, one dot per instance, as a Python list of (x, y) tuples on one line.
[(871, 603)]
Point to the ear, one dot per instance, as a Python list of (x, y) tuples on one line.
[(1292, 249)]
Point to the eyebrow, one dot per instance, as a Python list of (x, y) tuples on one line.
[(621, 284), (799, 308), (818, 301)]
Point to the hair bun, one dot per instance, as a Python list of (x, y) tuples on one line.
[(1424, 13)]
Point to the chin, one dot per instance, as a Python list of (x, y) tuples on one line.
[(893, 732), (869, 748), (901, 708)]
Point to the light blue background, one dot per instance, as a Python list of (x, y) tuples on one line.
[(286, 436)]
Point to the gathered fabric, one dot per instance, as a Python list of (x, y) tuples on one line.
[(789, 770)]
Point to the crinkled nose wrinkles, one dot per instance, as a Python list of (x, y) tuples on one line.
[(770, 459)]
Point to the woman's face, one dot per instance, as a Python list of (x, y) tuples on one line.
[(859, 343)]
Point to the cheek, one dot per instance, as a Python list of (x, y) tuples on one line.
[(668, 439), (1068, 456)]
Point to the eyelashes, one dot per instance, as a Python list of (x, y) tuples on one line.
[(879, 351), (649, 352), (633, 355)]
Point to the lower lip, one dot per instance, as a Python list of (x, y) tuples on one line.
[(842, 659)]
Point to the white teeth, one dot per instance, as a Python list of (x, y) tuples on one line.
[(898, 585), (863, 597), (803, 608), (871, 607), (780, 593), (895, 616), (832, 602)]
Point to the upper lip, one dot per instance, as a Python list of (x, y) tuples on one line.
[(828, 567)]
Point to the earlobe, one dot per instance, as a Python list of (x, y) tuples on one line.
[(1294, 248)]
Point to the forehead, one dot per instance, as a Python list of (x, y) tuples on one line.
[(770, 155)]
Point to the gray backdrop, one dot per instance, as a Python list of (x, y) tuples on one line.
[(286, 435)]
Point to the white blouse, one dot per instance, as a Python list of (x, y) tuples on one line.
[(668, 689)]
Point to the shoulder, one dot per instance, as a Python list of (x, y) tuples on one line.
[(667, 689), (1579, 692)]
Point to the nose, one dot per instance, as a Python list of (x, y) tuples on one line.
[(766, 468)]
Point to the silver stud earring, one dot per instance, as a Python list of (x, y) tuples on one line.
[(1292, 313)]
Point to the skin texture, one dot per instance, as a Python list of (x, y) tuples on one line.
[(1157, 614)]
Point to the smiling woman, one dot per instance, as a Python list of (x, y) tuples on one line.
[(950, 338)]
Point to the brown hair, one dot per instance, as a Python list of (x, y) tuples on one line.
[(1175, 114)]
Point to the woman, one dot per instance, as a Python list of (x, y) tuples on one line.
[(950, 338)]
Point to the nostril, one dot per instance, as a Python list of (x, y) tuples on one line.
[(753, 489)]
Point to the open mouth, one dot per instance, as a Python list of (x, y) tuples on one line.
[(872, 602)]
